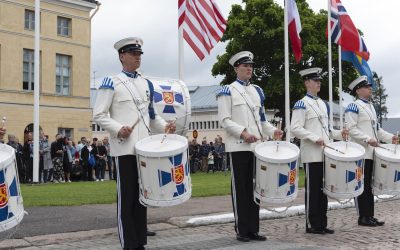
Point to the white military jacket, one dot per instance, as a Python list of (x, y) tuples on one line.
[(362, 121), (310, 121), (235, 115), (115, 107)]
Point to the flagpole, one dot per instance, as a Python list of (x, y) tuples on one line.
[(287, 93), (180, 53), (330, 64), (340, 87), (36, 100)]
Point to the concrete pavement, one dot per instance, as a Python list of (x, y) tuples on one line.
[(283, 233)]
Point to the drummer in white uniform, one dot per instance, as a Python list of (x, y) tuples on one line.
[(364, 129), (241, 113), (124, 107), (310, 123)]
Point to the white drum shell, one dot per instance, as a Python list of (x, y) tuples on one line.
[(11, 210), (171, 101), (344, 173), (276, 173), (164, 175), (386, 171)]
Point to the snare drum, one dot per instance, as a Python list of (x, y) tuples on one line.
[(11, 207), (387, 170), (343, 173), (276, 173), (164, 175)]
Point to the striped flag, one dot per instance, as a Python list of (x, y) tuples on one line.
[(203, 24), (294, 29), (344, 32)]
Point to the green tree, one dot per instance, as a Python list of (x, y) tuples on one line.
[(259, 28), (379, 98)]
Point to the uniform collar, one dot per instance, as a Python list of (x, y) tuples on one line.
[(312, 97), (129, 74), (364, 100), (243, 82)]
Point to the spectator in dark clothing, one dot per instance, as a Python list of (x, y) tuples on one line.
[(57, 154), (204, 150), (85, 161), (28, 157), (13, 142), (100, 154)]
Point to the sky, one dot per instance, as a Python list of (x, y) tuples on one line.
[(155, 21)]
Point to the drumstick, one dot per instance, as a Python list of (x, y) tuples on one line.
[(279, 126), (347, 136), (169, 128), (3, 122), (388, 149), (335, 149), (132, 127)]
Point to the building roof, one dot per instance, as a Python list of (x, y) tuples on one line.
[(391, 125), (204, 97)]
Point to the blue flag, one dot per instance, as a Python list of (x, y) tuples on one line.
[(360, 64)]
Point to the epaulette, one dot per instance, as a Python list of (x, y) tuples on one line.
[(224, 91), (352, 107), (260, 93), (299, 105), (107, 83)]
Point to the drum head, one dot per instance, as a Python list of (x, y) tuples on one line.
[(277, 151), (353, 152), (7, 154), (158, 146), (388, 155)]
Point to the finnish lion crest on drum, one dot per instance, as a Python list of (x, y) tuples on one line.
[(3, 195), (168, 97), (178, 174)]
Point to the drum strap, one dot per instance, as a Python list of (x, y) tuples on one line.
[(251, 106), (372, 116), (319, 118), (135, 97)]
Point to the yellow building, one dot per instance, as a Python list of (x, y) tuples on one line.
[(64, 66)]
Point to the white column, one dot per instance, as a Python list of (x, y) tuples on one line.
[(340, 86), (287, 90), (180, 53), (330, 64), (36, 99)]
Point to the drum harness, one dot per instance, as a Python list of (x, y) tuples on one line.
[(139, 102), (251, 106)]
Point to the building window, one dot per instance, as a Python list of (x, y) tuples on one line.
[(213, 124), (217, 125), (67, 132), (28, 69), (209, 125), (29, 20), (63, 26), (63, 74)]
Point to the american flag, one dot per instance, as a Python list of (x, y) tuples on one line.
[(203, 24), (344, 32)]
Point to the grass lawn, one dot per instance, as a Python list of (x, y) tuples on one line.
[(80, 193)]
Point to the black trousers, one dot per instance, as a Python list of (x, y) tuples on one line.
[(316, 202), (132, 216), (365, 202), (245, 209)]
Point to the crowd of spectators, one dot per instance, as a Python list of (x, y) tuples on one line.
[(208, 156)]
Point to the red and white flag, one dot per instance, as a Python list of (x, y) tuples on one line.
[(294, 29), (203, 24)]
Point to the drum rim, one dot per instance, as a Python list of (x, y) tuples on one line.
[(272, 160), (147, 153), (8, 160), (327, 152), (386, 157)]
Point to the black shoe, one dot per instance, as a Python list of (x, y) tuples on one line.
[(377, 222), (242, 238), (366, 221), (256, 236), (329, 231), (311, 230), (150, 233)]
